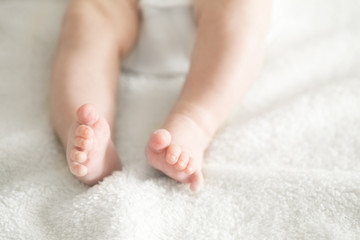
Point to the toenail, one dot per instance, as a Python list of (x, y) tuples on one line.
[(181, 163), (173, 158), (85, 142), (82, 171), (158, 131), (80, 157), (82, 143), (162, 132)]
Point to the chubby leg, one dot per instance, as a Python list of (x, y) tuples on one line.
[(95, 36), (227, 57)]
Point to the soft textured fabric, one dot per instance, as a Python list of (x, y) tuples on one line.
[(285, 166)]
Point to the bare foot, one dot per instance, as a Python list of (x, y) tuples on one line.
[(90, 152), (178, 150)]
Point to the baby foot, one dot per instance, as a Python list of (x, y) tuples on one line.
[(178, 151), (90, 152)]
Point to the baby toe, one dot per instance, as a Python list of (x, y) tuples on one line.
[(172, 154), (82, 143), (183, 161), (84, 131), (196, 181), (87, 114), (159, 140), (78, 156), (190, 169), (78, 169)]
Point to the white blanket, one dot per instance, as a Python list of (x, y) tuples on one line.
[(285, 166)]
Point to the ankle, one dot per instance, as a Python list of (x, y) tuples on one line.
[(197, 116)]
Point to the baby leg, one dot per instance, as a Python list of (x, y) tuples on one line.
[(227, 56), (95, 36)]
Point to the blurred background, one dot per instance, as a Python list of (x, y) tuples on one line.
[(285, 166)]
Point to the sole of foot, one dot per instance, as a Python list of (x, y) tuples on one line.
[(90, 151)]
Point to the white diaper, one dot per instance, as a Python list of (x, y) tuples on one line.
[(165, 40), (166, 3)]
